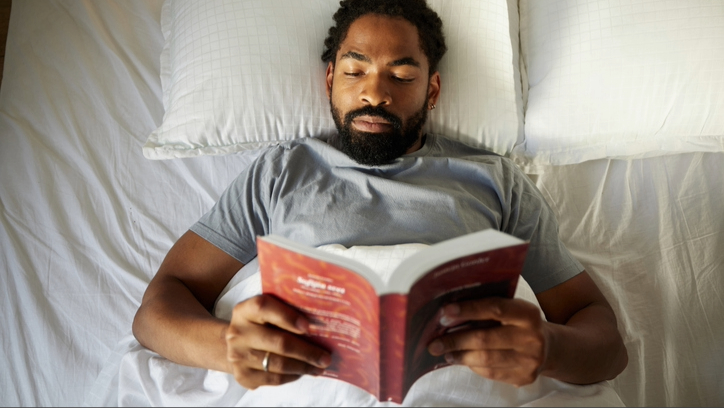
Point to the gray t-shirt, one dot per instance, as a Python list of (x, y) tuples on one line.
[(310, 192)]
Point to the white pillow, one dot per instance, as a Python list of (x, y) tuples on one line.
[(238, 75), (621, 78)]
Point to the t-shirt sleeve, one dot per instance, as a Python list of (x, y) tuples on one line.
[(549, 262), (241, 213)]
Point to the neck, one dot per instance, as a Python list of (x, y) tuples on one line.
[(418, 144)]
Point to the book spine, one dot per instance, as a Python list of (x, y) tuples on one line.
[(393, 311)]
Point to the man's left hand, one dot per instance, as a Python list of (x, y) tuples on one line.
[(514, 352)]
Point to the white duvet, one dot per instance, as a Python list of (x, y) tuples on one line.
[(145, 378)]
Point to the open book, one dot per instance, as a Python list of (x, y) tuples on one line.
[(377, 331)]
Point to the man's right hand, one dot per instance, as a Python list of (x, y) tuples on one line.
[(175, 321), (264, 324)]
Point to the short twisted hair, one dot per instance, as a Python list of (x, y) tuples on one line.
[(427, 22)]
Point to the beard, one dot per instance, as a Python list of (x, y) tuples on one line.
[(374, 149)]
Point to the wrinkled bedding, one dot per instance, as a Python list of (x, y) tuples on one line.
[(85, 220), (145, 378)]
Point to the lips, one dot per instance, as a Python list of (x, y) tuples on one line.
[(371, 124)]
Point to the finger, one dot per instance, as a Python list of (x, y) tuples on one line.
[(513, 376), (266, 309), (500, 359), (251, 378), (284, 365), (494, 338), (260, 338), (516, 312), (497, 359)]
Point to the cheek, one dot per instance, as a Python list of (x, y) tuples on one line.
[(413, 105), (411, 99), (339, 107), (344, 95)]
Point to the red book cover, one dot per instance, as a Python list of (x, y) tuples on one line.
[(378, 331)]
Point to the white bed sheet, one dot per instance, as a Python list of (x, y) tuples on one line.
[(651, 232), (85, 220)]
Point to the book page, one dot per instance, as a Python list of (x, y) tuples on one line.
[(416, 266), (381, 259)]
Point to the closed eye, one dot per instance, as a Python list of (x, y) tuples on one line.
[(403, 80)]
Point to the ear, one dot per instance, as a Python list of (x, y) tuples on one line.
[(433, 88), (330, 79)]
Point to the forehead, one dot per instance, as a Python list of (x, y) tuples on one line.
[(383, 37)]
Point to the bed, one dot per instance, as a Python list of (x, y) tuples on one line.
[(86, 217)]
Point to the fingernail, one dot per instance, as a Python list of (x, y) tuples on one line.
[(325, 360), (446, 321), (436, 347), (302, 324), (316, 371), (449, 358), (448, 314)]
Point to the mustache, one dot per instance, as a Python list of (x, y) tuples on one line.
[(373, 111)]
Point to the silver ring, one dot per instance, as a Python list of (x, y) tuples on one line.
[(265, 362)]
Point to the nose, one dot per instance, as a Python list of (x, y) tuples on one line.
[(374, 91)]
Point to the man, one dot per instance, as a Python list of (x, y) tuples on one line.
[(380, 181)]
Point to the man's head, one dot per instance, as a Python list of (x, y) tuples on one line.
[(382, 75)]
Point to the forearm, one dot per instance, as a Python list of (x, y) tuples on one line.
[(587, 349), (173, 323)]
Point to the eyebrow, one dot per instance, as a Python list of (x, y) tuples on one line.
[(404, 61), (356, 56), (396, 63)]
